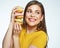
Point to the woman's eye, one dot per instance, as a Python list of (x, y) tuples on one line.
[(29, 11), (37, 12)]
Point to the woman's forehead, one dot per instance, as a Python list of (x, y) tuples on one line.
[(34, 7)]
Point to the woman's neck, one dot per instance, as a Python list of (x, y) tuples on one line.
[(31, 29)]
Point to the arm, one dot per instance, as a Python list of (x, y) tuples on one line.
[(8, 37), (17, 28), (16, 41), (32, 46), (16, 34), (14, 28), (7, 41)]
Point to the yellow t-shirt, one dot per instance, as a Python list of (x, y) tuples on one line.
[(38, 39)]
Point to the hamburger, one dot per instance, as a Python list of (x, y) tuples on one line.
[(19, 17)]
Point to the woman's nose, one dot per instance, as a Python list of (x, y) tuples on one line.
[(33, 14)]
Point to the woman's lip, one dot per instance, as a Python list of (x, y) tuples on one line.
[(32, 19)]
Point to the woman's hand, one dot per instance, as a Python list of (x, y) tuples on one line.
[(16, 25), (17, 28), (32, 46)]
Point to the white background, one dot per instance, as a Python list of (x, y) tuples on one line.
[(52, 11)]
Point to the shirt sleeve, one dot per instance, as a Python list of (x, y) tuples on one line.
[(40, 41)]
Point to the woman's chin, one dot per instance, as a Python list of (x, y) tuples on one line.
[(31, 25)]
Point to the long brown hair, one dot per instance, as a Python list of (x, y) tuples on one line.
[(42, 24)]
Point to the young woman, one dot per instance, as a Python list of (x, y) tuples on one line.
[(33, 33)]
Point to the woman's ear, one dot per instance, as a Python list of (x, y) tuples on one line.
[(41, 18)]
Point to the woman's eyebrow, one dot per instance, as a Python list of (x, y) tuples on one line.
[(37, 10), (28, 9), (32, 10)]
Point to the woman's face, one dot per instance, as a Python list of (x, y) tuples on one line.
[(33, 15)]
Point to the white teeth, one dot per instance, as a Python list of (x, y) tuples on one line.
[(31, 19)]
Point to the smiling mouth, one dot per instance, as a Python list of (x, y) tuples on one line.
[(32, 19)]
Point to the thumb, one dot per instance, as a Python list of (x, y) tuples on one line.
[(12, 16)]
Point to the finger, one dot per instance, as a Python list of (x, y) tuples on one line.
[(16, 28), (20, 27), (13, 13), (15, 8), (16, 32)]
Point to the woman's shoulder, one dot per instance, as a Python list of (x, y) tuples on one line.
[(41, 32), (40, 40), (42, 35)]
